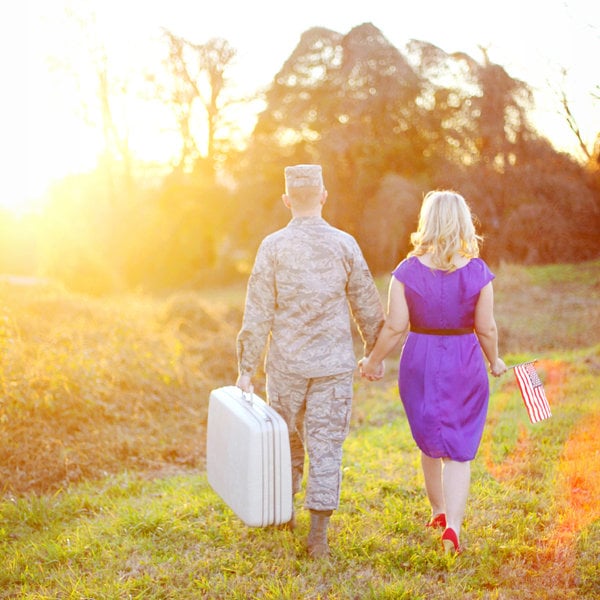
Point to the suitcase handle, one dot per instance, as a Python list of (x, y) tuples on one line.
[(249, 403), (247, 396)]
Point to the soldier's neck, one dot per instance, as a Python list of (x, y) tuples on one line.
[(314, 212)]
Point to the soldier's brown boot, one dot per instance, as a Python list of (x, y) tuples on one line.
[(316, 543)]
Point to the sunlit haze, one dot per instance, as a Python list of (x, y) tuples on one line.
[(50, 134)]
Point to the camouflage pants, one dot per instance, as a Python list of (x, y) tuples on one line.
[(317, 413)]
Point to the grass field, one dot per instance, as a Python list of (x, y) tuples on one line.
[(102, 432)]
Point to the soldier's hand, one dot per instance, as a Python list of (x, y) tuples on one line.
[(361, 364), (244, 382)]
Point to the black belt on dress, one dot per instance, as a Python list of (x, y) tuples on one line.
[(462, 331)]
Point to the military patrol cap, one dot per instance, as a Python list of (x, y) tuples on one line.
[(303, 176)]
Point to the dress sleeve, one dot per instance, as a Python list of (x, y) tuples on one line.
[(485, 273), (478, 278), (400, 271)]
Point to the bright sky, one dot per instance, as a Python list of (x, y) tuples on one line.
[(532, 40)]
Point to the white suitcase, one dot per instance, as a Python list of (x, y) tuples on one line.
[(248, 460)]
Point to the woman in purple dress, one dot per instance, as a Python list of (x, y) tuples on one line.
[(441, 303)]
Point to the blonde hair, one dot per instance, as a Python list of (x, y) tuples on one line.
[(445, 229)]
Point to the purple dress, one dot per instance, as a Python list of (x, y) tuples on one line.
[(443, 379)]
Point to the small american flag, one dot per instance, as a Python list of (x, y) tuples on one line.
[(532, 391)]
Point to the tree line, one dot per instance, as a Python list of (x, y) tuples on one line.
[(386, 124)]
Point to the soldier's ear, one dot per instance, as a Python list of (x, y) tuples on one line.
[(323, 197), (286, 200)]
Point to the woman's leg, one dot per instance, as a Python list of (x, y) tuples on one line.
[(432, 471), (456, 478)]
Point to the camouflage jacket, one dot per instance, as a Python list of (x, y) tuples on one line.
[(309, 279)]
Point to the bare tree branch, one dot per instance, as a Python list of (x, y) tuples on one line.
[(570, 118), (572, 123)]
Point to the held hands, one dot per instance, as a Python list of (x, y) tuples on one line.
[(369, 371), (498, 367)]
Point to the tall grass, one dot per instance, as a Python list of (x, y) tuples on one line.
[(102, 425)]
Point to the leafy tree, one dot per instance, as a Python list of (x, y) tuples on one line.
[(189, 213), (394, 210), (197, 77), (188, 230), (344, 101), (106, 107), (80, 235), (388, 126)]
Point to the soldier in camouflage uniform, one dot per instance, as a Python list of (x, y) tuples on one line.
[(308, 281)]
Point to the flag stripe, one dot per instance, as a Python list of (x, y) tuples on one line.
[(532, 392)]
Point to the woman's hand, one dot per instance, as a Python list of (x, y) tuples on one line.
[(498, 367), (369, 371)]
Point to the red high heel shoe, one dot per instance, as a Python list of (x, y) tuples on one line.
[(438, 521), (450, 541)]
